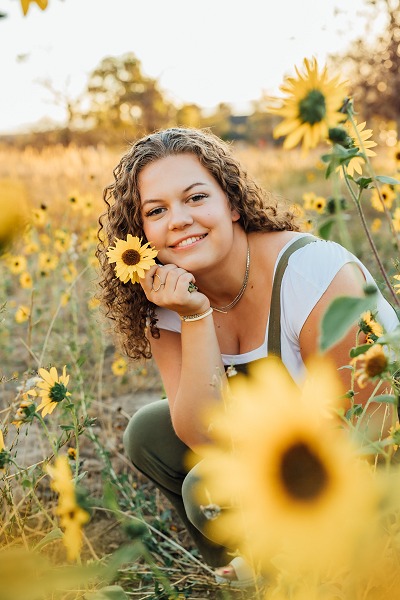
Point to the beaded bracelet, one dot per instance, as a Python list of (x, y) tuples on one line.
[(197, 316)]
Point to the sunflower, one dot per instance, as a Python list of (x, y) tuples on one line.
[(72, 516), (374, 363), (17, 264), (285, 476), (22, 314), (25, 411), (25, 280), (52, 389), (131, 258), (311, 107), (47, 262), (368, 325), (119, 366), (387, 194), (376, 225), (355, 164), (396, 153)]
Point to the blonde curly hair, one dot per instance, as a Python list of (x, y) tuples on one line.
[(126, 305)]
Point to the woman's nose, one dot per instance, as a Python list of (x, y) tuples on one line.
[(180, 216)]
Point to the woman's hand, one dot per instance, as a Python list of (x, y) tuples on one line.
[(168, 287)]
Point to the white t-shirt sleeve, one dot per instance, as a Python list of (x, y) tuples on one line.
[(168, 319)]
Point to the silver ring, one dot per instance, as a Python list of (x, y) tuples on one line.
[(160, 286)]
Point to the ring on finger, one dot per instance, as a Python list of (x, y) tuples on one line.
[(160, 285)]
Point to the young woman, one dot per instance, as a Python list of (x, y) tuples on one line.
[(214, 228)]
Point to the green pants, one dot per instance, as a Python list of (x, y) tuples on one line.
[(157, 452)]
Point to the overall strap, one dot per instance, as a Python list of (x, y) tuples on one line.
[(274, 328)]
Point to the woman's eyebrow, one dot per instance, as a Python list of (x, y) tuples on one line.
[(192, 185)]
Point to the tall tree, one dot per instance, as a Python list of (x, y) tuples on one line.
[(122, 98), (373, 65)]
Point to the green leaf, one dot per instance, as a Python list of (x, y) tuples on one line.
[(363, 182), (110, 592), (67, 427), (342, 313), (357, 350), (386, 179), (324, 230), (52, 536), (386, 399)]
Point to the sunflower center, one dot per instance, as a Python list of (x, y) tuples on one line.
[(58, 392), (397, 156), (303, 475), (376, 365), (312, 108), (131, 257)]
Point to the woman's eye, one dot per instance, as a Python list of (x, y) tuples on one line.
[(197, 197), (154, 211)]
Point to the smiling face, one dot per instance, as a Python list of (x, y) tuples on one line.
[(186, 214)]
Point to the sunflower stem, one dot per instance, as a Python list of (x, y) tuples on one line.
[(53, 443), (357, 203)]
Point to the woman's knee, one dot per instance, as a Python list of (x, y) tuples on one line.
[(142, 429)]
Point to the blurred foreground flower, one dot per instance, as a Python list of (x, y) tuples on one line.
[(13, 201), (311, 108), (25, 5), (131, 258), (52, 389), (288, 479), (72, 516)]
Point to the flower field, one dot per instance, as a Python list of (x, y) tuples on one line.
[(73, 512)]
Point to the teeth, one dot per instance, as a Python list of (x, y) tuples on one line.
[(189, 241)]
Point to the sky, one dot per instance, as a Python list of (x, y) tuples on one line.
[(205, 52)]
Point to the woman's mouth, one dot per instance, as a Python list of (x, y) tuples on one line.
[(190, 241)]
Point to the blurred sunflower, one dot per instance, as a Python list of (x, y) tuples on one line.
[(16, 264), (52, 389), (93, 303), (40, 215), (22, 313), (119, 366), (47, 262), (25, 280), (72, 515), (284, 474), (25, 411), (376, 225), (131, 258), (62, 241), (396, 153), (311, 107), (373, 363), (25, 4), (388, 196)]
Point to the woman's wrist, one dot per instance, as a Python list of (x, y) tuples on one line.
[(197, 316)]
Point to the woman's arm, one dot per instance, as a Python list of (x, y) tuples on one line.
[(190, 363)]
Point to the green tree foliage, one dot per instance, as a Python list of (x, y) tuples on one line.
[(122, 99), (373, 65)]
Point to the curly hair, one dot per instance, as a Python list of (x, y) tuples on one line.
[(127, 305)]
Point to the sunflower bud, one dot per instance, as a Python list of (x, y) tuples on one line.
[(338, 135)]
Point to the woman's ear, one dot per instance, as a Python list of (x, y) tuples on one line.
[(235, 215)]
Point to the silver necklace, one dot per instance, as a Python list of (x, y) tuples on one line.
[(224, 309)]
